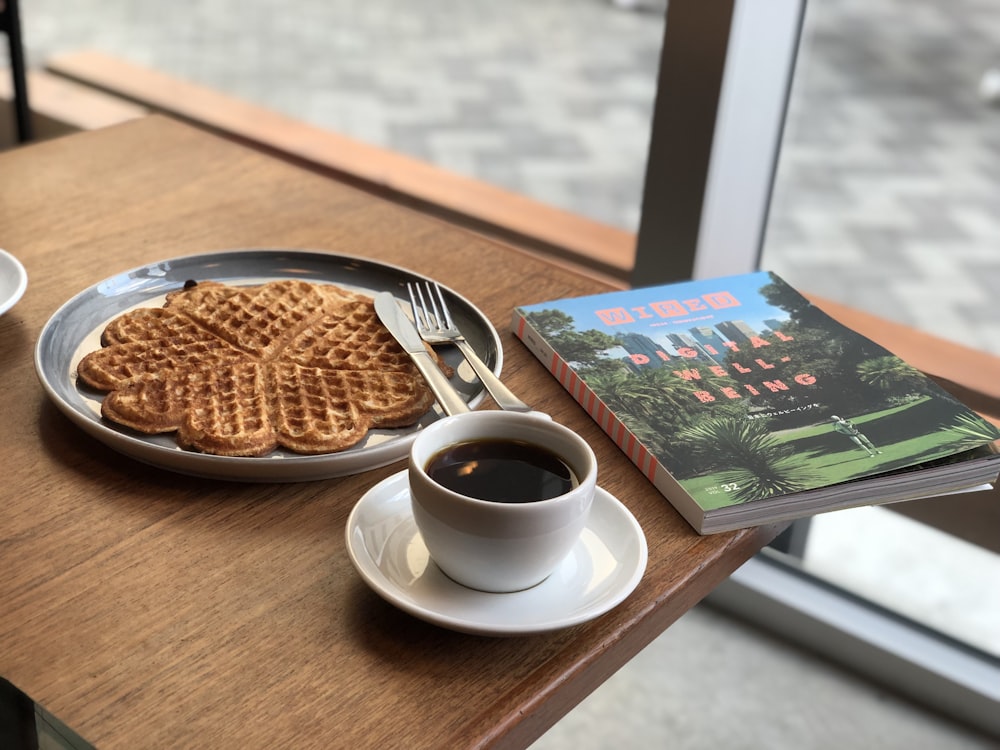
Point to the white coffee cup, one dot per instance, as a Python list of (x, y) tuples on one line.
[(500, 546)]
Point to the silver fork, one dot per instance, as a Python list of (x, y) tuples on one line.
[(436, 327)]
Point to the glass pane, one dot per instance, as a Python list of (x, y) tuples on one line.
[(887, 195), (551, 100), (910, 568), (887, 198)]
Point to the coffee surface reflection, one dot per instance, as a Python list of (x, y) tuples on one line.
[(503, 471)]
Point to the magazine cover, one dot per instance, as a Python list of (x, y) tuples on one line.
[(743, 390)]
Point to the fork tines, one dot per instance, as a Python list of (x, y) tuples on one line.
[(431, 308)]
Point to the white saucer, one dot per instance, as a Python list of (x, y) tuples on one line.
[(602, 569), (13, 281)]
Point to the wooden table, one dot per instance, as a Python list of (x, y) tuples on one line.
[(150, 609)]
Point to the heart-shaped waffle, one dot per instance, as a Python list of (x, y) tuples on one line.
[(240, 371)]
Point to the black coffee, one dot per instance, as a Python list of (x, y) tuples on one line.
[(504, 471)]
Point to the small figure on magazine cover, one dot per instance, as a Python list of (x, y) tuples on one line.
[(847, 427)]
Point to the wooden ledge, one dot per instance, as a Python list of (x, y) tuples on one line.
[(60, 106), (473, 203)]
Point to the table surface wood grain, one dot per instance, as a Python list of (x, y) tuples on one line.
[(151, 609)]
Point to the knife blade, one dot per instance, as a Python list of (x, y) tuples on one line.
[(403, 330)]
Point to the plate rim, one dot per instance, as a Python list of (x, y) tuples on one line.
[(364, 563), (269, 468)]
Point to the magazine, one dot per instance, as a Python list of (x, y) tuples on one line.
[(744, 403)]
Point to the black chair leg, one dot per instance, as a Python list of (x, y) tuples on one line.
[(10, 22)]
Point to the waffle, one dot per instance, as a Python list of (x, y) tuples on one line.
[(241, 371)]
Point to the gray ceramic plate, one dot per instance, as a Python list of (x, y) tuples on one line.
[(75, 328)]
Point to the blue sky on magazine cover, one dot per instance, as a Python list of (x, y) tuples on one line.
[(752, 309)]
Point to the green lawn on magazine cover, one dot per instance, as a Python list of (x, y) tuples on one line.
[(833, 458)]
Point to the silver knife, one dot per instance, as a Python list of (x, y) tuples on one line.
[(402, 328)]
